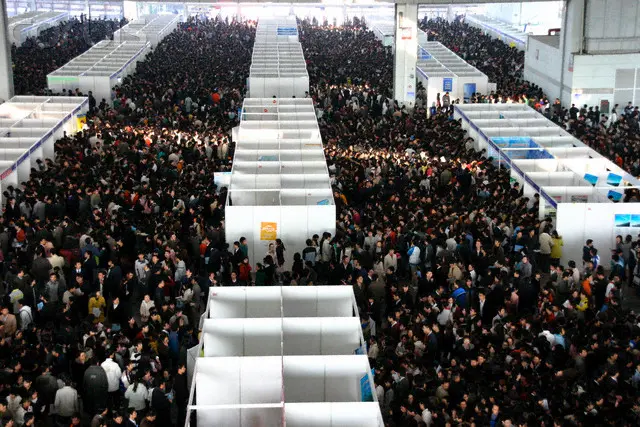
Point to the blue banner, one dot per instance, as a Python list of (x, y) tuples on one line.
[(447, 85)]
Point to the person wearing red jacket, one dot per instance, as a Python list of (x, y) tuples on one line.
[(244, 271)]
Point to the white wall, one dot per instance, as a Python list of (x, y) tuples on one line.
[(539, 17), (612, 26), (542, 66), (594, 79), (577, 222)]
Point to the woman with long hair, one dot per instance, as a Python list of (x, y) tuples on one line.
[(280, 249), (136, 394)]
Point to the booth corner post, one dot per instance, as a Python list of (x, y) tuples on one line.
[(405, 52), (6, 71)]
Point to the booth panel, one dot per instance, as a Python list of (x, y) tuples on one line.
[(237, 416), (577, 222), (232, 380), (226, 305), (339, 414), (264, 302), (324, 378), (299, 301), (242, 337), (294, 232), (335, 304)]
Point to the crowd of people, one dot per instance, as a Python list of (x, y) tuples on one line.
[(469, 316), (108, 250), (54, 47), (103, 248), (615, 134)]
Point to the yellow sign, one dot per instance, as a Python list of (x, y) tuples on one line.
[(82, 119), (268, 230)]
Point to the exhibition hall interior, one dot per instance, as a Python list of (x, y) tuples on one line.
[(320, 213)]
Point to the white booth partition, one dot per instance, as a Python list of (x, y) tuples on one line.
[(252, 370), (29, 127), (279, 185), (338, 414), (384, 30), (151, 28), (499, 30), (240, 302), (441, 71), (99, 69), (31, 24), (232, 380), (583, 189), (290, 336), (278, 68)]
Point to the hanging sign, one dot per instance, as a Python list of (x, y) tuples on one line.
[(268, 230)]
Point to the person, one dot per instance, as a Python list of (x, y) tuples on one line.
[(25, 314), (96, 389), (97, 305), (113, 373), (545, 243), (9, 323), (181, 391), (161, 403), (66, 403), (137, 395), (556, 248), (149, 420)]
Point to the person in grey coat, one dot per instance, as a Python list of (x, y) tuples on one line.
[(66, 401)]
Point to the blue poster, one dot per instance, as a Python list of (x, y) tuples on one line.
[(614, 195), (365, 388), (323, 202), (591, 179), (613, 179), (635, 220), (623, 220), (447, 85)]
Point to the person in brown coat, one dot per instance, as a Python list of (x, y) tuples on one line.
[(9, 323)]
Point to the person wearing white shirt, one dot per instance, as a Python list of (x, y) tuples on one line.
[(113, 371)]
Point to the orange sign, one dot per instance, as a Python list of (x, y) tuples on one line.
[(268, 230)]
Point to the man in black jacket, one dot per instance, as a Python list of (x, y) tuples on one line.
[(161, 404), (181, 392)]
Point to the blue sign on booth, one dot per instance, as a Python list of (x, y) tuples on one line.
[(424, 54), (447, 85), (287, 31)]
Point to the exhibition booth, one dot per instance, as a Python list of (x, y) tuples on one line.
[(574, 182), (151, 28), (29, 127), (441, 71), (282, 368), (277, 29), (279, 185), (278, 69), (31, 24), (99, 69), (499, 30), (384, 30)]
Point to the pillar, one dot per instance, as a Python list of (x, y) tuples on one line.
[(405, 54), (6, 69), (451, 14)]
